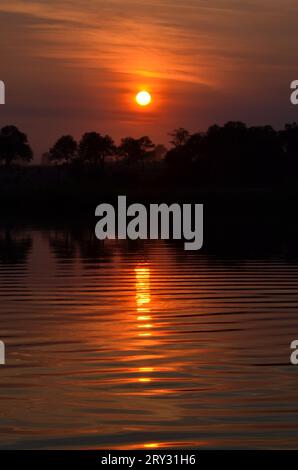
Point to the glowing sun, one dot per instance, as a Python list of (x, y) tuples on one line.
[(143, 98)]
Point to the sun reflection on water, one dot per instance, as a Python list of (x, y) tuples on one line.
[(143, 308)]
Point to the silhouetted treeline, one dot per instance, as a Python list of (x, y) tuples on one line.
[(231, 155), (237, 154), (94, 148)]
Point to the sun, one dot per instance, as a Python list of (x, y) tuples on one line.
[(143, 98)]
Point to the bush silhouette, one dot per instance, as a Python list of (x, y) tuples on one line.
[(14, 146)]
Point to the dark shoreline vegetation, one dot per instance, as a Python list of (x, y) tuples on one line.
[(235, 170)]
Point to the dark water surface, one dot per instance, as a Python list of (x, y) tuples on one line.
[(144, 345)]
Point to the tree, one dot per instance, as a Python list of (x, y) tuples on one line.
[(159, 152), (184, 155), (129, 148), (14, 145), (289, 139), (94, 148), (64, 150), (179, 136), (146, 145), (134, 150)]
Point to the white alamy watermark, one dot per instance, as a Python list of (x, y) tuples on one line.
[(294, 93), (159, 221), (2, 92), (2, 353), (294, 355)]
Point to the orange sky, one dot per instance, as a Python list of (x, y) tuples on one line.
[(71, 66)]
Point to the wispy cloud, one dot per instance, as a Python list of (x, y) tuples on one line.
[(196, 55)]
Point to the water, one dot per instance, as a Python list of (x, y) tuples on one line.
[(142, 345)]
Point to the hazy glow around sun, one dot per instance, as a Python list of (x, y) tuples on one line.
[(143, 98)]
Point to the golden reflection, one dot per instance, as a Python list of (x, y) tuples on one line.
[(152, 445), (144, 379), (143, 299), (146, 369), (143, 307), (143, 296)]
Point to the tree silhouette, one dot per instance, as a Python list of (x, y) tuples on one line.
[(159, 152), (179, 137), (186, 154), (94, 148), (236, 154), (289, 138), (14, 145), (134, 150), (64, 150)]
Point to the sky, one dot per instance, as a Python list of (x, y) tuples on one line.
[(74, 66)]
